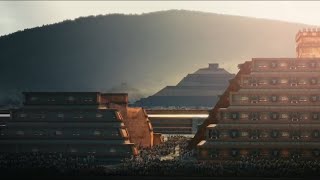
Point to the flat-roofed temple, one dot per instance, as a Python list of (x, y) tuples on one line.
[(79, 123)]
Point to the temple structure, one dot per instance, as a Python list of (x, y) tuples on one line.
[(79, 123), (270, 109), (308, 43), (196, 90)]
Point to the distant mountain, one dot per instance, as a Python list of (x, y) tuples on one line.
[(149, 51)]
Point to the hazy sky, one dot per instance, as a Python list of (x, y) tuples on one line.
[(19, 15)]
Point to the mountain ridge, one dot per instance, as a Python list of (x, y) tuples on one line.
[(155, 12), (148, 51)]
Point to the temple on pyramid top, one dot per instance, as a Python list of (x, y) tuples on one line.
[(308, 43), (271, 109)]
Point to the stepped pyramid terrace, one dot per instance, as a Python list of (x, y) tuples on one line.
[(76, 123), (180, 109), (270, 109), (199, 89), (135, 119)]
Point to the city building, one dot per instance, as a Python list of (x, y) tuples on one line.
[(271, 108), (80, 123), (308, 43)]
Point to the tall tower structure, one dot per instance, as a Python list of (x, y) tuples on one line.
[(308, 43)]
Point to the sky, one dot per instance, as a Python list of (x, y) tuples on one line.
[(19, 15)]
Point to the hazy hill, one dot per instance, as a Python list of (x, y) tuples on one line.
[(148, 51)]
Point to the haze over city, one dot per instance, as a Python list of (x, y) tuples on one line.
[(160, 89), (178, 37)]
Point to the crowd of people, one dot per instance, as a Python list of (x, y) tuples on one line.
[(150, 162), (37, 163), (244, 167), (168, 147)]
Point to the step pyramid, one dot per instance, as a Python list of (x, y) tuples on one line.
[(270, 109)]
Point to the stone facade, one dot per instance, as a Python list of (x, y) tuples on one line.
[(308, 43), (271, 109), (79, 123)]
